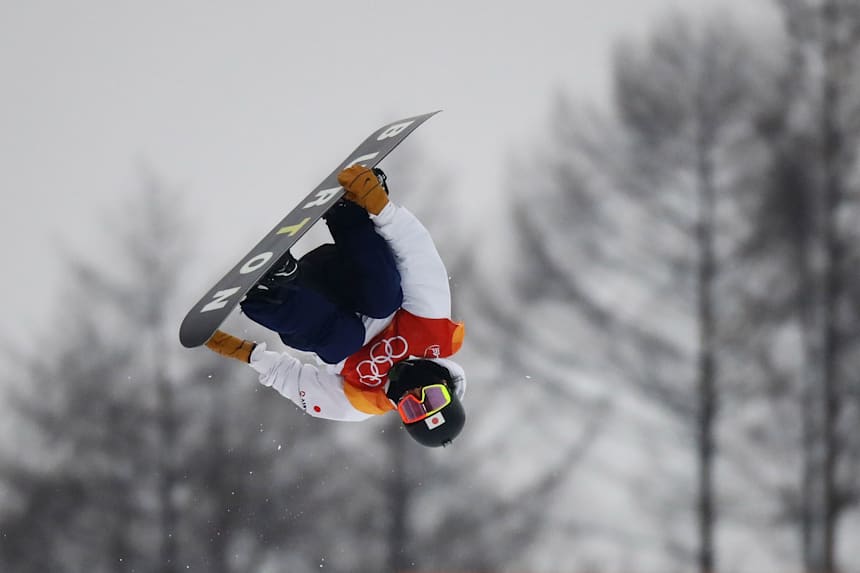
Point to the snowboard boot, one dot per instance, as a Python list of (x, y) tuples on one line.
[(271, 287), (285, 270)]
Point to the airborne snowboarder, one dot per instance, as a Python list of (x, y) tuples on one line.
[(375, 308)]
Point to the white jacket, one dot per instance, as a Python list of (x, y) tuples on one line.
[(318, 390)]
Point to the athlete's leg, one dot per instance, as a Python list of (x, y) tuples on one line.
[(306, 320), (374, 282)]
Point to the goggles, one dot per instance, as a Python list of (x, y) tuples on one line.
[(433, 398)]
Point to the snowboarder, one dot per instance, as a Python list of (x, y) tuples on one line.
[(374, 307)]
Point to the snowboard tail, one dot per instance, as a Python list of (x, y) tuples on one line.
[(212, 309)]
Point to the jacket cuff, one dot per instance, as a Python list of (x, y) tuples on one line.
[(385, 216)]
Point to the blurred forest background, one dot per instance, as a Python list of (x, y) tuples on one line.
[(663, 370)]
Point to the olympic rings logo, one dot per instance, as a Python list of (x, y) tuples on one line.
[(372, 372)]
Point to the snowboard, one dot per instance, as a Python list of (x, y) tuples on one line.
[(212, 309)]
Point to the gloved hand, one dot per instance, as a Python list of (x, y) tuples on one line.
[(363, 188), (230, 346)]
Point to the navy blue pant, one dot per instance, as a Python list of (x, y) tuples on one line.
[(319, 310)]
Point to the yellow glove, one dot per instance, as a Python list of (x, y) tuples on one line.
[(230, 346), (363, 188)]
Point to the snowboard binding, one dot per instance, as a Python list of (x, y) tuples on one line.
[(271, 286)]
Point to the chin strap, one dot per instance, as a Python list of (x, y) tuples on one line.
[(458, 375), (428, 371)]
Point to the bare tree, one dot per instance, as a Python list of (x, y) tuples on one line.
[(807, 224), (142, 454), (633, 221)]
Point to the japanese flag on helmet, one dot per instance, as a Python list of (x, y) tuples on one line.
[(435, 420)]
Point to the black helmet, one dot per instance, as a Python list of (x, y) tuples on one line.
[(441, 427)]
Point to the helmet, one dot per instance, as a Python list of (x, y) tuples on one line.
[(439, 427)]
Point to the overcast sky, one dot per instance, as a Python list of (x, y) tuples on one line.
[(246, 106)]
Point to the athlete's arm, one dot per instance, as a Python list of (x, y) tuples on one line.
[(423, 276), (317, 392)]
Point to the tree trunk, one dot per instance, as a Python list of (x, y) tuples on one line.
[(831, 288), (218, 479), (168, 549), (707, 394)]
